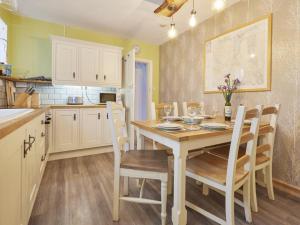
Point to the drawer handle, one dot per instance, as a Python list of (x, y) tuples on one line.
[(106, 115), (74, 75), (43, 134), (99, 116), (74, 117), (97, 76), (104, 77)]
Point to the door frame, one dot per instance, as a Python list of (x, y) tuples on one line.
[(149, 64)]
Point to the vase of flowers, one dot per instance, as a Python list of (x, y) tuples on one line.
[(227, 90)]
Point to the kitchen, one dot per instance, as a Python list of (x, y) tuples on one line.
[(62, 65)]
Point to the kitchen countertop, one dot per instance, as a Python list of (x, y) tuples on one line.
[(76, 106), (10, 126)]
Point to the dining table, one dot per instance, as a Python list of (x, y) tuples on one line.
[(181, 142)]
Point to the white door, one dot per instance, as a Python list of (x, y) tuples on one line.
[(106, 132), (111, 66), (65, 65), (129, 87), (88, 65), (90, 129), (66, 127)]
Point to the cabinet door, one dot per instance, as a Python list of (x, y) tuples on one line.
[(90, 129), (106, 134), (66, 128), (111, 67), (11, 154), (65, 63), (88, 65)]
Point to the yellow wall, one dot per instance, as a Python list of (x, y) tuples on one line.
[(29, 46)]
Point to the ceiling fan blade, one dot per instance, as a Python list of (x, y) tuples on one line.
[(169, 7)]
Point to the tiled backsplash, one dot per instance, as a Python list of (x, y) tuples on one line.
[(59, 94)]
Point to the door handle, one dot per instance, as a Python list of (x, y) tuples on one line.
[(33, 140), (26, 147), (74, 116), (99, 116), (74, 75)]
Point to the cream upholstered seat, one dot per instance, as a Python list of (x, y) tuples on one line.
[(148, 164), (227, 176)]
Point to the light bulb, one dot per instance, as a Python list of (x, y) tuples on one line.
[(193, 20), (219, 4), (172, 33)]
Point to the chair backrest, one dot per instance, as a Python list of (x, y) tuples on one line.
[(157, 109), (267, 133), (185, 106), (117, 123), (247, 161)]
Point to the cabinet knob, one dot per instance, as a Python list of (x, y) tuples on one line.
[(99, 116), (74, 75), (43, 134), (106, 115), (97, 76), (74, 116), (104, 77)]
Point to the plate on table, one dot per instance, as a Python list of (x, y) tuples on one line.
[(169, 126), (205, 116), (172, 118), (215, 126)]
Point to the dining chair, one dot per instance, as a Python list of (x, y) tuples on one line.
[(264, 154), (227, 176), (186, 105), (157, 109), (140, 164)]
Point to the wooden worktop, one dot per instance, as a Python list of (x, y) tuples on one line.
[(10, 126), (76, 106)]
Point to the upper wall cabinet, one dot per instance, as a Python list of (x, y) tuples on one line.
[(76, 62)]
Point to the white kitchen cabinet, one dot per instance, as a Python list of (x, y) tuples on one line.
[(111, 67), (19, 172), (65, 59), (66, 130), (89, 58), (11, 155), (91, 127), (76, 62)]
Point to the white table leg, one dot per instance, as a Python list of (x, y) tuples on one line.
[(140, 140), (179, 213)]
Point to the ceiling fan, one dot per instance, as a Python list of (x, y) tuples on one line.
[(169, 7)]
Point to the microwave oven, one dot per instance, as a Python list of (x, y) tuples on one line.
[(107, 97)]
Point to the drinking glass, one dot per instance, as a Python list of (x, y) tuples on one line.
[(215, 111), (167, 111), (192, 112)]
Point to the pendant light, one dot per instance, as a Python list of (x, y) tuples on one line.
[(193, 20), (218, 5), (172, 33)]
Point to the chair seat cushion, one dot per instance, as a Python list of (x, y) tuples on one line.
[(147, 160), (223, 152), (212, 167)]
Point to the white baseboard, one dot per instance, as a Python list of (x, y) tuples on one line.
[(79, 153)]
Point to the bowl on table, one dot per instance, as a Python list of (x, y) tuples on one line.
[(192, 120)]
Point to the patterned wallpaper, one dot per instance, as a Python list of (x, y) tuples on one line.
[(181, 73)]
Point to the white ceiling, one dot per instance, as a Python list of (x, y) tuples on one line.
[(125, 18)]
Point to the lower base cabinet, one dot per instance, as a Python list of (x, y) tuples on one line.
[(80, 129), (22, 165)]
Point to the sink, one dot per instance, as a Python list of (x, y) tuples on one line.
[(10, 114)]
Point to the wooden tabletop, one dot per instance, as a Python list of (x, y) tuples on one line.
[(184, 135)]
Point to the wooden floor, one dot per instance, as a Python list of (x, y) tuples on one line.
[(79, 191)]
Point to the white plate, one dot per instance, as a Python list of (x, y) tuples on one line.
[(215, 125), (169, 126), (208, 116), (172, 118)]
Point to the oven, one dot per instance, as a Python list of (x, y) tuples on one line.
[(107, 97)]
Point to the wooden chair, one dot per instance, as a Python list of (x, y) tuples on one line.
[(144, 164), (227, 176), (264, 154), (185, 106), (157, 109)]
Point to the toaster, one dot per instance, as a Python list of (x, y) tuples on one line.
[(75, 100)]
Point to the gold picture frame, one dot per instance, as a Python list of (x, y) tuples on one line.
[(268, 59)]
